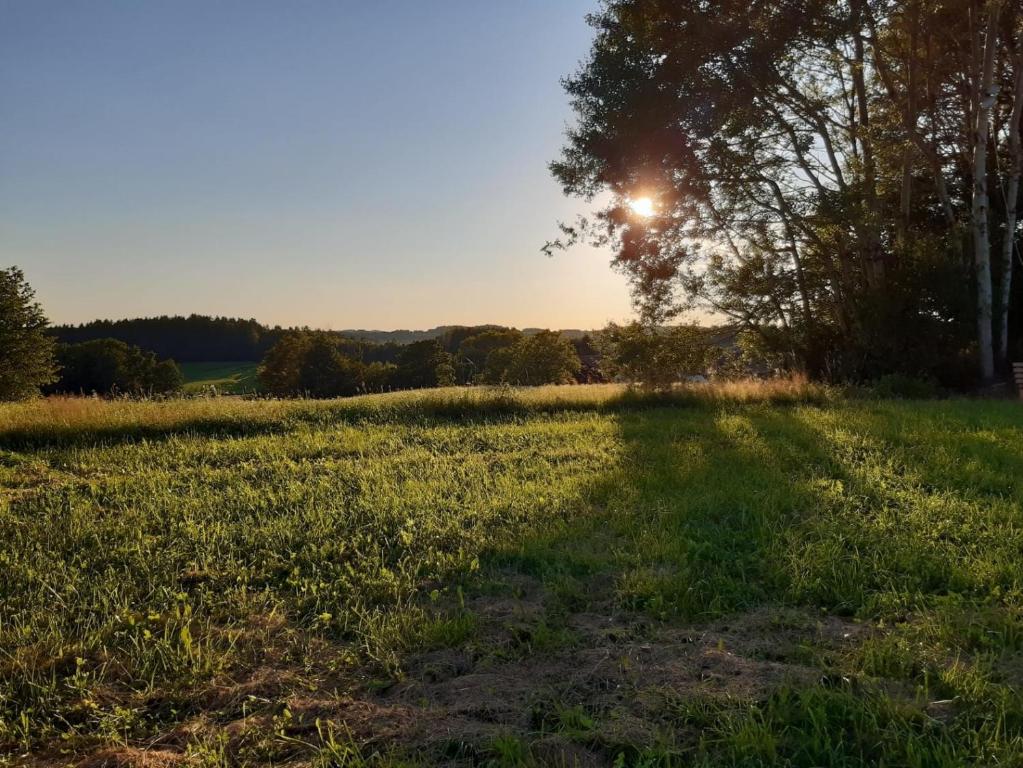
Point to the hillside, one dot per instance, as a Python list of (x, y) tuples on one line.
[(226, 378)]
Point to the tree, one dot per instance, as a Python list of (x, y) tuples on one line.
[(380, 377), (1015, 152), (654, 357), (309, 363), (325, 372), (167, 377), (26, 352), (424, 364), (474, 351), (109, 366), (811, 170), (984, 101), (543, 358), (280, 371)]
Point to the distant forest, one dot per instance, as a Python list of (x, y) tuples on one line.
[(204, 339)]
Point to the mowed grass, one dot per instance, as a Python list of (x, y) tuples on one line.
[(724, 576), (229, 378)]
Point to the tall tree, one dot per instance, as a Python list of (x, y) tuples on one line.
[(813, 167), (985, 93), (26, 352)]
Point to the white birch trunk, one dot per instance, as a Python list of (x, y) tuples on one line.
[(986, 95)]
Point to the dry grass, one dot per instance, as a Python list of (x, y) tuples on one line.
[(56, 418)]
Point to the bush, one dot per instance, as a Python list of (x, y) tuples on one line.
[(898, 385)]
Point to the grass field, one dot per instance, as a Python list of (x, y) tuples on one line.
[(227, 378), (728, 576)]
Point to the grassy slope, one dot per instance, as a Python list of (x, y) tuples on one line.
[(228, 378), (543, 578)]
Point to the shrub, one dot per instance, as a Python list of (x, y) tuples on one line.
[(898, 385)]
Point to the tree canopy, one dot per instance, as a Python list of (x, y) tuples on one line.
[(542, 358), (26, 351), (111, 367), (825, 175)]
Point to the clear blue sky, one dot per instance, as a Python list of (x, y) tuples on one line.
[(331, 163)]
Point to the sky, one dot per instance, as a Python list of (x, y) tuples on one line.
[(328, 163)]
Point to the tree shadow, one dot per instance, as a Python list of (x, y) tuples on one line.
[(712, 511)]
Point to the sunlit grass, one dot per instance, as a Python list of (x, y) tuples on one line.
[(225, 378), (152, 550), (54, 417)]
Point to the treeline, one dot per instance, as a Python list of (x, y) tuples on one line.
[(326, 364), (196, 338), (206, 339), (32, 361), (321, 364), (137, 357)]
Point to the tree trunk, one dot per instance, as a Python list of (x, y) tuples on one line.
[(986, 95), (1012, 194), (873, 258), (906, 196)]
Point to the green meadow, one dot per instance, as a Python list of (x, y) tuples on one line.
[(724, 576), (226, 378)]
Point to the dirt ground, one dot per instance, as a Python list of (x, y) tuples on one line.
[(610, 686)]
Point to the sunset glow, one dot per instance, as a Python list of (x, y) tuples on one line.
[(642, 206)]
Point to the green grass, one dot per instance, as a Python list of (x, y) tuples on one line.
[(228, 378), (723, 576)]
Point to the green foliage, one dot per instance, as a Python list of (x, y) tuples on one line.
[(111, 367), (380, 376), (780, 190), (541, 358), (196, 338), (474, 351), (279, 373), (325, 372), (314, 364), (902, 386), (425, 364), (26, 352), (655, 357)]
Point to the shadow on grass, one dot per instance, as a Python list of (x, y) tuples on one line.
[(855, 511), (719, 510)]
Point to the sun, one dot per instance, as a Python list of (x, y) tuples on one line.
[(642, 206)]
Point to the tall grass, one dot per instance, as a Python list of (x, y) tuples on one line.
[(77, 418)]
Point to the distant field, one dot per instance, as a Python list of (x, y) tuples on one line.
[(564, 576), (227, 378)]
